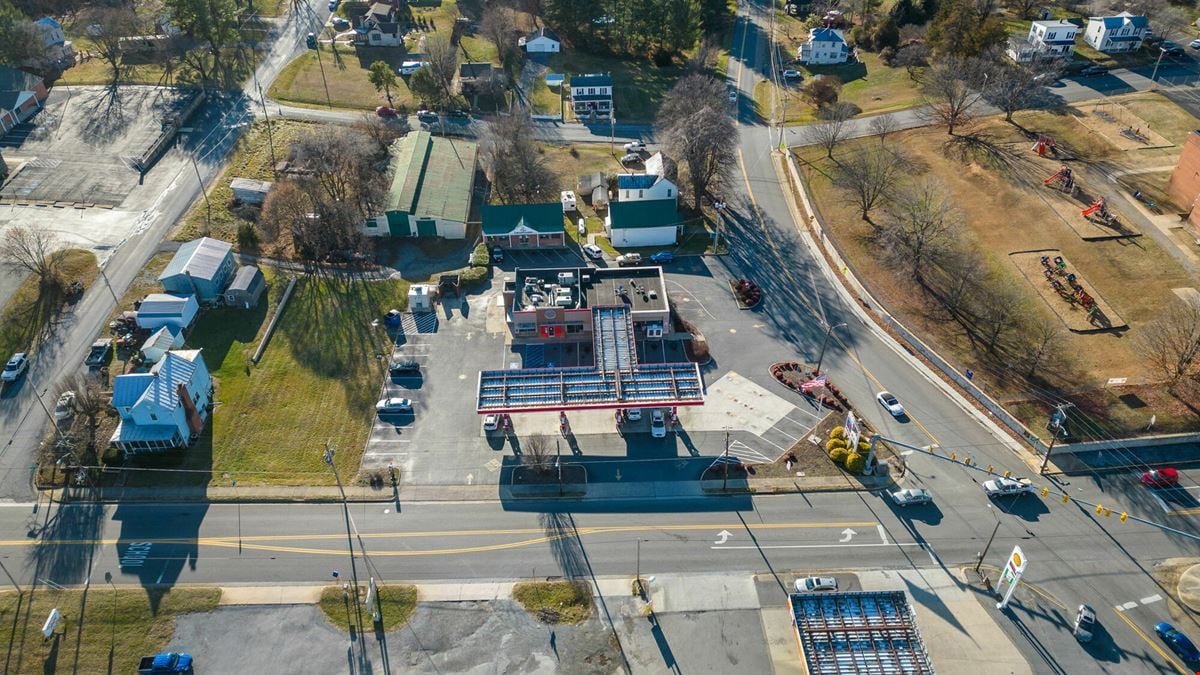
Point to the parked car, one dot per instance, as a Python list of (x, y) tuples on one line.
[(409, 67), (461, 113), (911, 497), (1160, 478), (384, 111), (806, 584), (15, 368), (733, 95), (1085, 623), (1171, 48), (1194, 44), (393, 405), (165, 663), (658, 424), (635, 146), (333, 5), (491, 422), (633, 414), (593, 251), (65, 406), (340, 23), (890, 403), (405, 367), (1093, 71), (791, 74), (310, 40), (497, 254), (629, 260), (98, 354), (631, 158), (1178, 642), (427, 116), (1003, 487), (662, 257)]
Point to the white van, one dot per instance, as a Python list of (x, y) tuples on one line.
[(410, 67)]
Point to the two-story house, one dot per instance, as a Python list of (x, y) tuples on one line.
[(632, 187), (379, 27), (1123, 32), (592, 95), (1046, 40), (57, 48), (825, 46), (165, 408)]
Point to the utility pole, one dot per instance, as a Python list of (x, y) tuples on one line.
[(725, 463), (824, 343), (558, 464), (321, 65), (1153, 75), (983, 555), (270, 136), (638, 568), (1056, 420), (329, 453), (204, 191)]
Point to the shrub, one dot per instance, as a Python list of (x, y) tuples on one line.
[(855, 463), (838, 432), (473, 276), (887, 55), (864, 447), (479, 256), (247, 236), (839, 455), (834, 443)]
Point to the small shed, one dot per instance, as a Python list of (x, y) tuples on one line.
[(163, 309), (588, 182), (420, 298), (248, 285), (249, 190), (600, 197), (162, 341), (554, 80)]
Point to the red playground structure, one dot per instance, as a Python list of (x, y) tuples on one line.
[(1063, 176), (1045, 144), (1098, 207)]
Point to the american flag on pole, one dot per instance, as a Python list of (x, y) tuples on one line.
[(813, 384)]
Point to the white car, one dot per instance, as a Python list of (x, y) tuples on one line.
[(593, 251), (890, 403), (629, 259), (631, 158), (911, 497), (393, 405), (65, 406), (791, 74), (733, 95), (1085, 623), (1194, 44), (1002, 487), (806, 584), (15, 368), (491, 422), (658, 424), (633, 414), (635, 146)]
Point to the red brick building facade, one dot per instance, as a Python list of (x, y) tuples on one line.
[(1184, 188)]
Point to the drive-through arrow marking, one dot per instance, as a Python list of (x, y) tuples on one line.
[(724, 536), (847, 535)]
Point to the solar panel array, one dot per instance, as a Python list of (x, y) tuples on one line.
[(871, 633)]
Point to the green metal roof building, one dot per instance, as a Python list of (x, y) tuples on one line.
[(432, 183), (524, 225), (653, 222)]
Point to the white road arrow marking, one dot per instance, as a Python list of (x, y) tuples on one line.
[(724, 536), (847, 535)]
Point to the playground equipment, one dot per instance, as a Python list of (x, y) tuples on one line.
[(1150, 203), (1063, 176), (1053, 269), (1046, 144), (1099, 208)]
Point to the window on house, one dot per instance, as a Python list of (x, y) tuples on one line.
[(670, 192), (154, 417), (1052, 36), (641, 193), (591, 90)]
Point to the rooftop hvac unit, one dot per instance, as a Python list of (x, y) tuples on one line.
[(654, 332), (564, 301), (653, 295), (566, 278)]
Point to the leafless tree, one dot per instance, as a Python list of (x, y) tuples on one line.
[(535, 451), (921, 225), (691, 92), (831, 132), (1171, 343), (1022, 8), (1045, 346), (499, 26), (284, 210), (951, 92), (107, 26), (999, 306), (342, 166), (912, 57), (518, 169), (883, 126), (1016, 86), (1171, 22), (443, 62), (34, 251), (697, 132), (868, 176), (90, 403), (381, 131), (963, 270)]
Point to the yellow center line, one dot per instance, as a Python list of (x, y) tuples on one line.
[(1153, 645)]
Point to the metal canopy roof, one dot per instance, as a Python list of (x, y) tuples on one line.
[(870, 633), (617, 380)]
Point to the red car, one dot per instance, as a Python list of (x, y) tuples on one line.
[(1160, 478), (384, 111)]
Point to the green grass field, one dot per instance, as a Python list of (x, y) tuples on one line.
[(555, 601), (30, 312), (638, 84), (398, 603), (870, 85), (346, 76)]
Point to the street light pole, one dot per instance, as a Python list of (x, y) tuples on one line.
[(1060, 409), (108, 578), (329, 453), (995, 529), (824, 343), (1161, 52)]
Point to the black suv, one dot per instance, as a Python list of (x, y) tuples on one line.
[(406, 367)]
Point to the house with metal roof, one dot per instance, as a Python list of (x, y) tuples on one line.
[(432, 181), (164, 309), (1123, 32), (1050, 39), (524, 226), (165, 408), (824, 46), (162, 341), (542, 40), (201, 267), (246, 288), (592, 95), (643, 223), (636, 187)]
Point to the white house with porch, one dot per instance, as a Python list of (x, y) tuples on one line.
[(1123, 32), (1046, 40), (165, 408), (825, 46)]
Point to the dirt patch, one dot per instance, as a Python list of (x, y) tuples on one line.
[(1119, 125), (1053, 278), (1169, 573)]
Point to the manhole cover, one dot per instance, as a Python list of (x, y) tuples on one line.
[(1189, 588)]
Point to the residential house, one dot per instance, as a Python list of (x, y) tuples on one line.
[(54, 41), (432, 182), (643, 223), (21, 95), (246, 288), (165, 408), (162, 341), (541, 41), (524, 226), (163, 309), (379, 27), (825, 46), (592, 95), (1046, 40), (1123, 32), (632, 187), (476, 78), (202, 267)]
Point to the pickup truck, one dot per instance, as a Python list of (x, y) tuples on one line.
[(165, 663), (98, 354), (1003, 487)]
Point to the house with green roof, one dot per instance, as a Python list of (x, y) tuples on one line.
[(524, 226), (652, 222), (432, 180)]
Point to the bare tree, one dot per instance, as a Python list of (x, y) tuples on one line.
[(920, 226), (1000, 305), (831, 132), (912, 57), (107, 26), (1171, 343), (952, 96), (1015, 86), (443, 63), (34, 251), (499, 26), (90, 403), (691, 92), (868, 176), (697, 132), (1045, 346), (381, 131), (535, 451), (963, 269), (883, 126), (285, 210), (1022, 8), (518, 169)]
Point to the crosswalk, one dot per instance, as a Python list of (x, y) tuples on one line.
[(740, 453)]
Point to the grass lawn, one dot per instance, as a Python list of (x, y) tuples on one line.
[(125, 622), (546, 101), (398, 603), (1135, 279), (868, 84), (31, 313), (638, 84), (555, 601), (97, 71), (346, 75), (251, 160)]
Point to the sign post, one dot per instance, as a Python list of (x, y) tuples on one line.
[(1010, 576)]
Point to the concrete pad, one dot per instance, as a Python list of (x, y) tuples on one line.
[(270, 595), (464, 592), (781, 641), (702, 593), (737, 403), (959, 633)]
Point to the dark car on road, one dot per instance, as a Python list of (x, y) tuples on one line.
[(1094, 71), (1178, 642)]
